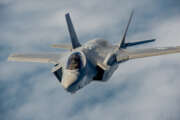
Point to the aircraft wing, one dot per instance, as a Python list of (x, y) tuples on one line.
[(36, 57), (141, 53)]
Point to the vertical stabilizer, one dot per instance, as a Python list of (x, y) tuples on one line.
[(72, 33), (125, 33)]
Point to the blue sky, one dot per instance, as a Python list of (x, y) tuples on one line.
[(140, 89)]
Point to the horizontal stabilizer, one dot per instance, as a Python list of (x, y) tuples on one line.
[(137, 43), (63, 46)]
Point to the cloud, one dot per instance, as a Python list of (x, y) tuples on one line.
[(140, 89)]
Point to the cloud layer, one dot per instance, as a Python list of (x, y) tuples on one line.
[(140, 89)]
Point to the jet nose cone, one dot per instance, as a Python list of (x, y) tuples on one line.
[(67, 83), (70, 85), (69, 80)]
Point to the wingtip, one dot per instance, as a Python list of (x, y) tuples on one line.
[(11, 57)]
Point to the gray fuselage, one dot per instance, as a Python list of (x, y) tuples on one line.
[(92, 54)]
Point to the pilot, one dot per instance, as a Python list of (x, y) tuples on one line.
[(74, 62)]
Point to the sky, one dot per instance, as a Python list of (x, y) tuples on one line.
[(140, 89)]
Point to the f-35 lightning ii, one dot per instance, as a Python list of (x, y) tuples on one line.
[(96, 60)]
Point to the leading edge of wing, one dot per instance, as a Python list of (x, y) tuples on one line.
[(141, 53), (36, 57)]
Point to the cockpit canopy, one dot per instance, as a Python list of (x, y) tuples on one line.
[(74, 61)]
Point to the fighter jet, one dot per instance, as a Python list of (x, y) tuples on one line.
[(96, 60)]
